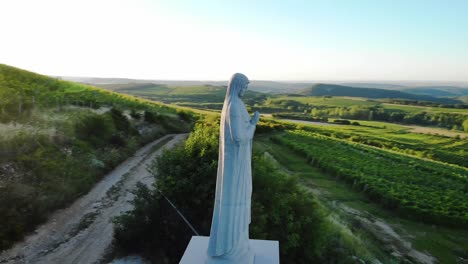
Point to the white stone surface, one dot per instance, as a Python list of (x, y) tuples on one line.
[(229, 234), (266, 251)]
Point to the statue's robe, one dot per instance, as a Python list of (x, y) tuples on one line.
[(229, 237)]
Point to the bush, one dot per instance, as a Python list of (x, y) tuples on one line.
[(20, 210), (267, 126), (95, 129), (342, 121), (186, 116), (135, 115), (121, 122), (150, 117)]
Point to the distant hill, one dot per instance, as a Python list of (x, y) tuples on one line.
[(463, 99), (387, 86), (198, 96), (164, 92), (437, 90), (391, 90), (398, 85), (256, 86), (340, 90), (277, 87), (126, 87)]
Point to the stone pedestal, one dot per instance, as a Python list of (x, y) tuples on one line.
[(266, 251)]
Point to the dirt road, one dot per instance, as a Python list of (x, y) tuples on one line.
[(83, 232)]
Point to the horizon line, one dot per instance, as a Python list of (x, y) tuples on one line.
[(369, 81)]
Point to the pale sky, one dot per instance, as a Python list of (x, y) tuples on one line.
[(267, 40)]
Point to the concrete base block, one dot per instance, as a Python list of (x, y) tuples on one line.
[(266, 251)]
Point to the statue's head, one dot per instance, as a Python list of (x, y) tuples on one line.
[(237, 85)]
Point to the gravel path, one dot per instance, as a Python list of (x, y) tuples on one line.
[(83, 232)]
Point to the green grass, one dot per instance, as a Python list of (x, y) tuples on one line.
[(399, 138), (423, 189), (23, 92), (324, 101), (201, 94), (417, 109), (357, 101)]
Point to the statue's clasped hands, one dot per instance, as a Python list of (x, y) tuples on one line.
[(255, 118)]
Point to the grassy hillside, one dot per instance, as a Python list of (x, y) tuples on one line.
[(340, 90), (59, 138), (21, 92)]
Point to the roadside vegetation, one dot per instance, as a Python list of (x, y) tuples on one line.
[(59, 138)]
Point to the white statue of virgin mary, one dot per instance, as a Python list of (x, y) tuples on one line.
[(229, 236)]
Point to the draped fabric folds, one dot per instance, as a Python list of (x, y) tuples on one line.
[(229, 236)]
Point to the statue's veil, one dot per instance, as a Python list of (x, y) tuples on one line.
[(231, 101), (238, 80)]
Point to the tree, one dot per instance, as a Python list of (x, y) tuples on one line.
[(465, 125)]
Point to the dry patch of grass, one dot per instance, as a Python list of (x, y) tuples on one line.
[(439, 131)]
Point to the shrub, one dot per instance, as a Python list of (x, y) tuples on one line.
[(342, 121), (95, 129), (121, 122), (135, 115), (150, 117)]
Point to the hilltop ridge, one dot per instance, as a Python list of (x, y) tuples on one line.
[(322, 89)]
